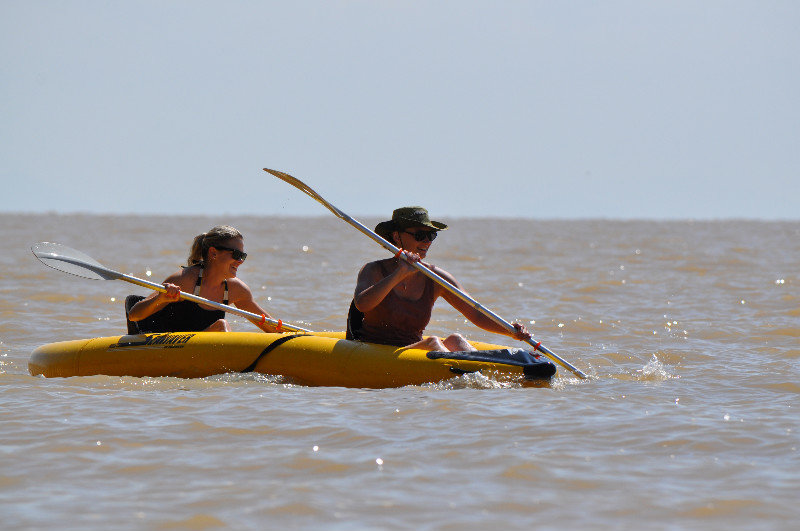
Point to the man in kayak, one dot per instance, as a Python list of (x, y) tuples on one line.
[(213, 262), (393, 301)]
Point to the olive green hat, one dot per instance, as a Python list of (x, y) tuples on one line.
[(406, 217)]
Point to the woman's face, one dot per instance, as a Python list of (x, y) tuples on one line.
[(222, 255)]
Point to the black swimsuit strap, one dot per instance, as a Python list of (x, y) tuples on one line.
[(200, 281)]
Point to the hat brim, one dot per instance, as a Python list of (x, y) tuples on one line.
[(384, 229), (435, 225)]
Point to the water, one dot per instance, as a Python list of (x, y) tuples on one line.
[(690, 332)]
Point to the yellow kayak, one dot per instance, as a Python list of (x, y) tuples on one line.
[(320, 359)]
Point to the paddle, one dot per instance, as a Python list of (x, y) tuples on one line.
[(300, 185), (74, 262)]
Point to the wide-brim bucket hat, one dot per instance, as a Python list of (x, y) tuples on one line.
[(406, 217)]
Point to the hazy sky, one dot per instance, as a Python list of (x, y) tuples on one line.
[(615, 109)]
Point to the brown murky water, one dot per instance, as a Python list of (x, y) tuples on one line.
[(690, 331)]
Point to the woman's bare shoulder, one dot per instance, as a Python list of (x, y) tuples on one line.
[(185, 277), (236, 285)]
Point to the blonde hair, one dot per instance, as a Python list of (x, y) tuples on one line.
[(216, 236)]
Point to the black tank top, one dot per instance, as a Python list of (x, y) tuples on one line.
[(188, 316)]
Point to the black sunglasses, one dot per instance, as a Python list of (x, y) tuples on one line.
[(235, 253), (423, 235)]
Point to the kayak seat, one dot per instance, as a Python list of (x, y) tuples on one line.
[(133, 326), (145, 326), (355, 318)]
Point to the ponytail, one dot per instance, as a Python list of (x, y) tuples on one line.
[(197, 252)]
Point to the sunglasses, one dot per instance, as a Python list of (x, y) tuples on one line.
[(423, 235), (235, 253)]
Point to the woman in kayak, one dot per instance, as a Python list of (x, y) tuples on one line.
[(393, 301), (213, 262)]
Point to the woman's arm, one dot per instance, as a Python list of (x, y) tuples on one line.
[(242, 297), (156, 300)]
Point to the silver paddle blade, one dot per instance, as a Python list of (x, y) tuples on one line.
[(70, 261)]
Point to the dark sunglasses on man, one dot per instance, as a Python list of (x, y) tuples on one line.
[(423, 235)]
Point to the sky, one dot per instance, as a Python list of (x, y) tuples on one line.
[(664, 109)]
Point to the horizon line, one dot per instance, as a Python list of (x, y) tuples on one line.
[(460, 217)]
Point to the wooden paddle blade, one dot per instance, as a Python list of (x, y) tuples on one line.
[(294, 181), (303, 187), (281, 175)]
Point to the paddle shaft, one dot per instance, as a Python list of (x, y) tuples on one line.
[(110, 274), (422, 269), (218, 305)]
